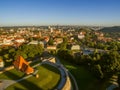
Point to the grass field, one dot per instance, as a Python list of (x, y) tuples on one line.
[(48, 79), (84, 78), (15, 74), (12, 75)]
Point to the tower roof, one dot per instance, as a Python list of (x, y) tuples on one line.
[(22, 65)]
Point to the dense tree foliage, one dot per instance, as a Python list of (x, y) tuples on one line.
[(50, 42), (111, 29), (65, 54), (28, 51), (63, 45), (110, 63), (8, 54), (101, 64)]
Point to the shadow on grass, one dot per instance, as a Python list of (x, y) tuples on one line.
[(51, 68), (16, 88), (12, 76), (25, 83), (84, 78), (29, 85)]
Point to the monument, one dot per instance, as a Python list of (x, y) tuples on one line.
[(22, 65)]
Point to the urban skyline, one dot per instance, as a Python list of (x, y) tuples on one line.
[(61, 12)]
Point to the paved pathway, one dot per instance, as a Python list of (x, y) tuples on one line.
[(6, 83)]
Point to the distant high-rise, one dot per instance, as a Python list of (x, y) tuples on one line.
[(51, 29)]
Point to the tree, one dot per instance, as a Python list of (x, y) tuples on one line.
[(31, 54), (11, 52), (63, 45), (119, 80), (30, 39), (1, 57), (110, 63), (65, 39), (29, 51), (96, 69), (50, 42), (65, 54), (6, 56)]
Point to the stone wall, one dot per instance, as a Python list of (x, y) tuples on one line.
[(67, 85)]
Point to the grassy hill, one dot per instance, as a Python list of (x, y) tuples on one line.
[(84, 78), (111, 29), (48, 79)]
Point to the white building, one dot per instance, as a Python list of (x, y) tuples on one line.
[(7, 41), (75, 47), (36, 42), (51, 29), (81, 35), (20, 40)]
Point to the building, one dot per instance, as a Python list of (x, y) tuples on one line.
[(75, 47), (81, 35), (58, 40), (46, 39), (19, 40), (23, 65), (51, 29), (52, 59), (36, 43), (7, 41), (1, 63), (51, 47)]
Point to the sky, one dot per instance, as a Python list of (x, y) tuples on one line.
[(60, 12)]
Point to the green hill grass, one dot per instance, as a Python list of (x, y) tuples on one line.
[(111, 29), (84, 78), (48, 79)]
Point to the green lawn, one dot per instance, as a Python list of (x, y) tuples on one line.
[(15, 74), (48, 79), (12, 74), (84, 78)]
